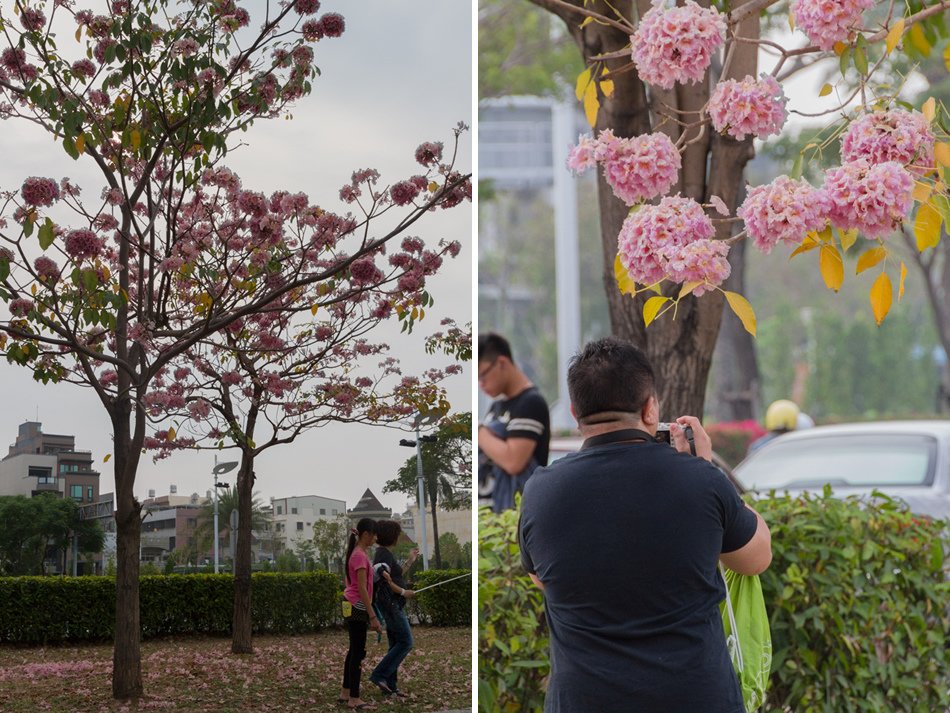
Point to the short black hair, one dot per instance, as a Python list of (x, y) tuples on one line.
[(609, 374), (492, 345), (387, 532)]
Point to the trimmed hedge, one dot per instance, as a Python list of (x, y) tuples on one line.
[(446, 605), (857, 596), (39, 610)]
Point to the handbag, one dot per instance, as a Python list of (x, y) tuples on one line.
[(748, 638)]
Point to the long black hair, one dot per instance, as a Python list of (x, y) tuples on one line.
[(366, 524)]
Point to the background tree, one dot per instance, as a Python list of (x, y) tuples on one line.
[(447, 472), (329, 540), (35, 527), (204, 535), (109, 293)]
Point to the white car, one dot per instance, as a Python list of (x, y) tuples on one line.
[(909, 460)]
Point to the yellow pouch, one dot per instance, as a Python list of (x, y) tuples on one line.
[(347, 609)]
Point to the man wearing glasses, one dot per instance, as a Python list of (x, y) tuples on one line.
[(514, 438)]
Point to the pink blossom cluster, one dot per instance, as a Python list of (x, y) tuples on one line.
[(306, 7), (637, 169), (330, 25), (404, 192), (230, 17), (46, 269), (20, 307), (872, 198), (84, 68), (199, 410), (82, 244), (783, 210), (749, 107), (672, 240), (676, 44), (13, 60), (429, 153), (365, 272), (38, 191), (32, 19), (896, 135), (828, 21), (185, 47)]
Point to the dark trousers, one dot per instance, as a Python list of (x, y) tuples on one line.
[(399, 634), (357, 628)]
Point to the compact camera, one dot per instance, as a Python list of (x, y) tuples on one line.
[(663, 436)]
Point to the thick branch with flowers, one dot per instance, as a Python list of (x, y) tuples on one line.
[(894, 158)]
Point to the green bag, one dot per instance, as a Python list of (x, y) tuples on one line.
[(748, 637)]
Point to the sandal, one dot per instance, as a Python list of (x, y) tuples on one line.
[(381, 685), (400, 694), (343, 701)]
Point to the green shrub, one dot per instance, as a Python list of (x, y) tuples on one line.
[(39, 610), (857, 596), (446, 605), (512, 638)]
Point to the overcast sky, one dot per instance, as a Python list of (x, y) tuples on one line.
[(400, 75)]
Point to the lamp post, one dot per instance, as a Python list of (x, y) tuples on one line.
[(219, 469), (417, 444)]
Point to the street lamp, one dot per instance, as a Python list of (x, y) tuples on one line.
[(219, 469), (417, 444)]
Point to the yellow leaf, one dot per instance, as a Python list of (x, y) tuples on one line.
[(688, 288), (624, 281), (81, 143), (106, 458), (607, 87), (33, 289), (832, 269), (78, 33), (583, 79), (433, 187), (136, 139), (840, 47), (587, 20), (900, 288), (881, 297), (894, 35), (825, 91), (170, 436), (919, 40), (942, 152), (422, 313), (652, 307), (946, 58), (414, 314), (929, 109), (740, 305), (791, 22), (591, 105), (848, 238), (809, 243), (922, 191), (313, 310), (927, 226), (871, 258)]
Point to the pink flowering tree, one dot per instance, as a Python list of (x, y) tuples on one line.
[(675, 98), (302, 363), (109, 288)]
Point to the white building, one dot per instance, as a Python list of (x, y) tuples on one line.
[(293, 517), (458, 522), (30, 474)]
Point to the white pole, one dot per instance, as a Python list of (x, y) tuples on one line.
[(422, 499), (216, 514)]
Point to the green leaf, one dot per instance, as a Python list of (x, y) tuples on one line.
[(797, 168), (46, 235), (844, 61), (861, 60)]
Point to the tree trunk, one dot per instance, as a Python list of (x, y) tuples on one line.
[(680, 350), (241, 623), (126, 659)]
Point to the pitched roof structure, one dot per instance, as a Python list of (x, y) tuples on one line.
[(369, 506)]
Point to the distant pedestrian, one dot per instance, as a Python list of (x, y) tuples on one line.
[(391, 598), (515, 436), (781, 417), (358, 615)]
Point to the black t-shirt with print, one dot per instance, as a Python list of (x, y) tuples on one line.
[(626, 538), (526, 415), (383, 555)]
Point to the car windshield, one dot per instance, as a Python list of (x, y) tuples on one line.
[(885, 459)]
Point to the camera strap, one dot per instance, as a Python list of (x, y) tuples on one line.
[(625, 435)]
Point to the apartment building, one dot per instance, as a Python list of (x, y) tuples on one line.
[(293, 518)]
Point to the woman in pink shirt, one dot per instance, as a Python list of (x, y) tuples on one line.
[(358, 614)]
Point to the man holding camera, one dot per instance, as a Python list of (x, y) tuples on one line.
[(625, 537)]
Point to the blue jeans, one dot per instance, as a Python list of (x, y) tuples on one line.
[(399, 635)]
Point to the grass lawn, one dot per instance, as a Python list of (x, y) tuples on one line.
[(285, 673)]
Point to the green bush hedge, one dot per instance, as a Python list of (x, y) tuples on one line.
[(446, 605), (54, 609), (857, 596)]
